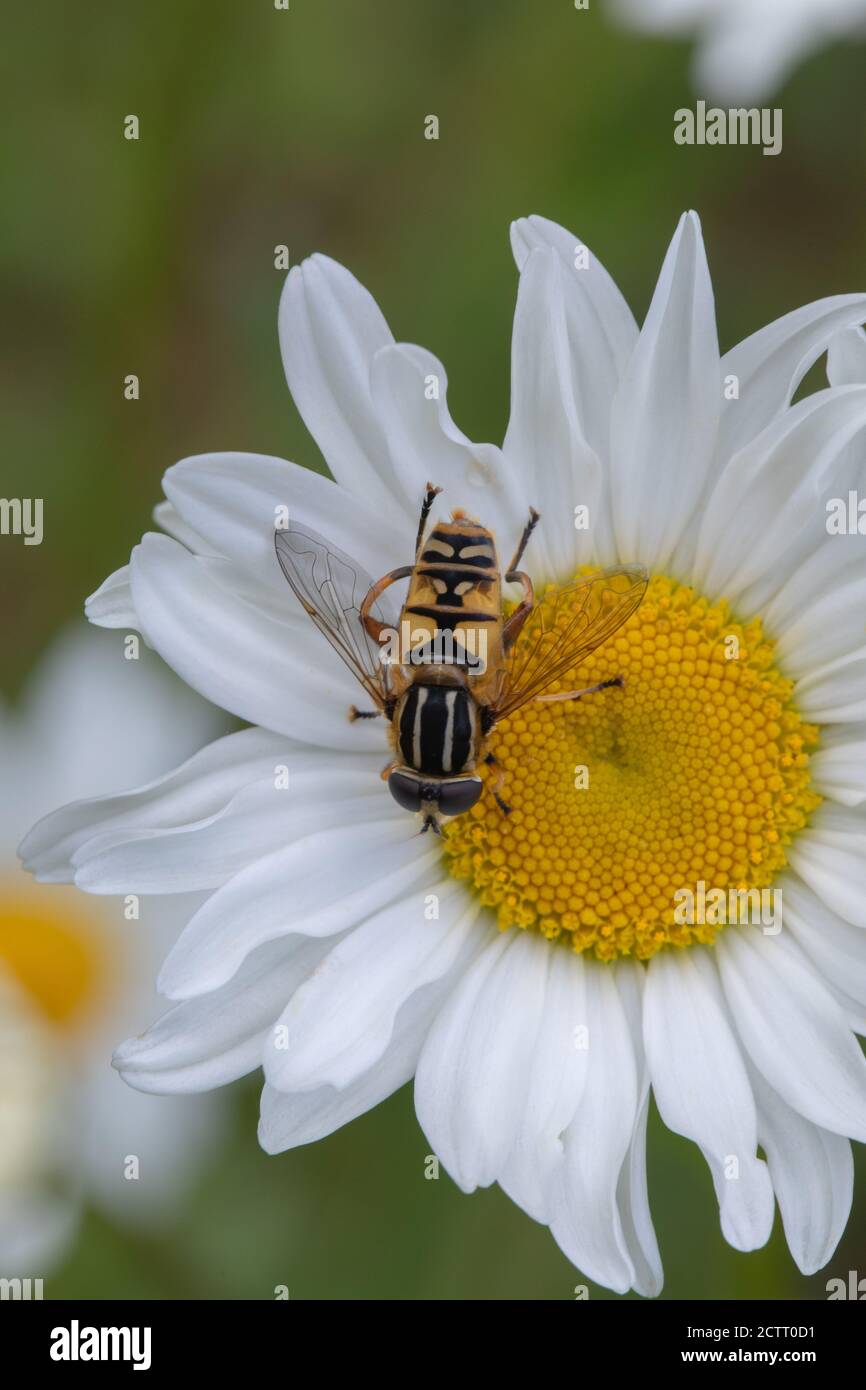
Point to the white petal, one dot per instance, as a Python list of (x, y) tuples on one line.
[(340, 1022), (585, 1215), (278, 675), (208, 1042), (666, 411), (111, 604), (835, 947), (817, 614), (846, 358), (473, 1072), (785, 473), (813, 1175), (601, 329), (632, 1194), (830, 855), (426, 445), (559, 1068), (232, 501), (839, 767), (835, 693), (770, 364), (702, 1090), (330, 331), (169, 520), (301, 1118), (793, 1030), (201, 787), (258, 819), (318, 885), (544, 441)]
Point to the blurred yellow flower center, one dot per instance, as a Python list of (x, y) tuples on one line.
[(695, 773), (52, 945)]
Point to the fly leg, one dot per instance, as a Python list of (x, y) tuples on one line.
[(355, 713), (497, 786), (430, 495), (528, 529), (372, 625), (576, 694), (513, 626)]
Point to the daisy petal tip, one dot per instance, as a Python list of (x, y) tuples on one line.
[(88, 881), (172, 985), (747, 1217), (124, 1053), (650, 1288), (268, 1145), (520, 240)]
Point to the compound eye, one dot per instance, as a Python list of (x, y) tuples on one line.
[(459, 795), (405, 790)]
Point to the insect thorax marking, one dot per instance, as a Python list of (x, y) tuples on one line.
[(460, 567), (437, 729)]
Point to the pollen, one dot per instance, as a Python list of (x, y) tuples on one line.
[(695, 772)]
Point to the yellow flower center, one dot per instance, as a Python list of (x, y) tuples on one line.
[(692, 778), (54, 947)]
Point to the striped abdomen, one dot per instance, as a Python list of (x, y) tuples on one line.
[(437, 729)]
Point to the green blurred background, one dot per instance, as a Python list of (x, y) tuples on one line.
[(306, 127)]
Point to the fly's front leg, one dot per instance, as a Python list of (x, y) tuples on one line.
[(497, 785), (528, 529), (514, 625), (430, 495), (372, 625)]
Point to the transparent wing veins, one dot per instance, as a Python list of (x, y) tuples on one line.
[(331, 588), (558, 636)]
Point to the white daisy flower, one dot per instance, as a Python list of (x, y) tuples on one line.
[(74, 971), (747, 48), (527, 970)]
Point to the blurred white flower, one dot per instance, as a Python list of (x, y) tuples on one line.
[(746, 48), (74, 970)]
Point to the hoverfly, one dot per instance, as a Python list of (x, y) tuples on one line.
[(442, 705)]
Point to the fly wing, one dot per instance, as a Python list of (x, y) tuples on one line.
[(560, 635), (331, 588)]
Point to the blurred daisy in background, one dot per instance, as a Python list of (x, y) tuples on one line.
[(74, 970), (528, 971), (747, 48)]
